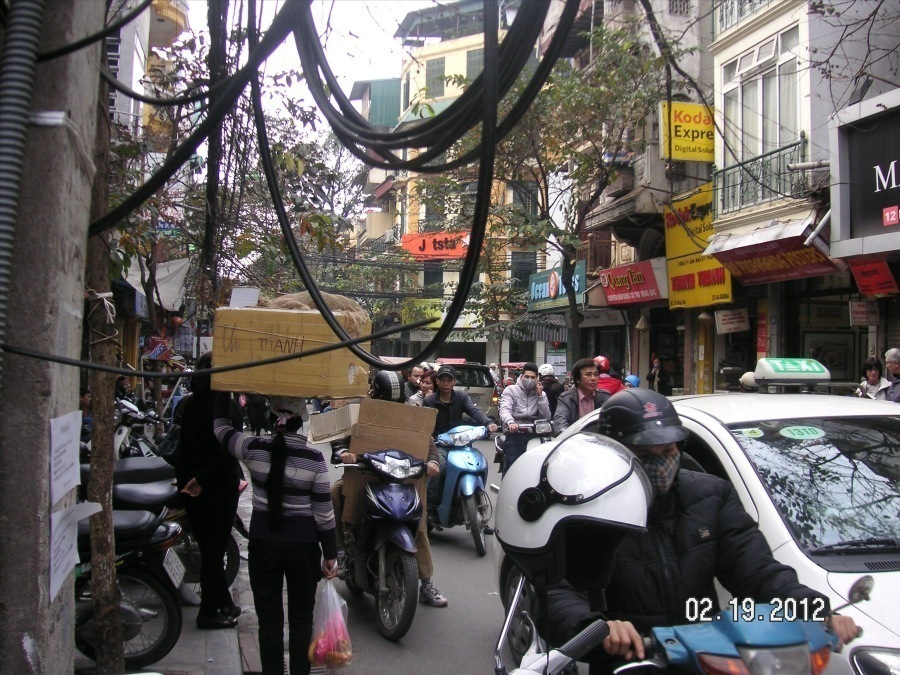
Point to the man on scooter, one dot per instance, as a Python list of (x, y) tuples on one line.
[(522, 403), (697, 530), (451, 405)]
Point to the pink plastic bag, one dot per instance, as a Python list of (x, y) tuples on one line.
[(330, 646)]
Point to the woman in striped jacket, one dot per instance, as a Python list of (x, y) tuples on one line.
[(291, 529)]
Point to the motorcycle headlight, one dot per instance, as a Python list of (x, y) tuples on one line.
[(876, 661), (467, 437), (794, 659), (543, 427), (393, 467)]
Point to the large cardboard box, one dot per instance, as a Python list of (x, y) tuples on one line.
[(383, 425), (252, 334)]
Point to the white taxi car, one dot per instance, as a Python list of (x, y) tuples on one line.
[(821, 476)]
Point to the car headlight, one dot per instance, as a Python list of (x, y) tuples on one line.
[(876, 661)]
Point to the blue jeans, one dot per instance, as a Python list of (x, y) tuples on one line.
[(269, 564)]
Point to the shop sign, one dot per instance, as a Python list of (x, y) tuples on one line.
[(873, 151), (546, 290), (864, 313), (695, 279), (557, 359), (436, 245), (732, 321), (418, 309), (688, 131), (762, 334), (873, 277), (630, 284), (160, 349)]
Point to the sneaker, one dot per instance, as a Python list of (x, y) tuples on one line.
[(430, 595)]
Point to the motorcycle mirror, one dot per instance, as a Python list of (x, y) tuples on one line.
[(861, 589)]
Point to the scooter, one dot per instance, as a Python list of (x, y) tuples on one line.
[(730, 641), (464, 500), (148, 573), (135, 431), (541, 430), (381, 549)]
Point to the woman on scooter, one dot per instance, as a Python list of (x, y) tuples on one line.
[(291, 529)]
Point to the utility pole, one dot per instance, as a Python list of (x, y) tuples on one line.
[(45, 310)]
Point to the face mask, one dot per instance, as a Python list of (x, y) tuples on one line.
[(661, 470), (527, 385)]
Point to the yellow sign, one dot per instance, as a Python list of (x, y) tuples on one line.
[(695, 280), (688, 132)]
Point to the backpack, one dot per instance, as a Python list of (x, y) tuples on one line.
[(169, 448)]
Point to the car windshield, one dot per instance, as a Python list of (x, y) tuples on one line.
[(835, 480)]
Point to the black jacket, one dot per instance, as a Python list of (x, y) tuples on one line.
[(450, 414), (698, 531)]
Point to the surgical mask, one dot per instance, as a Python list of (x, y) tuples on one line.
[(661, 470), (528, 384)]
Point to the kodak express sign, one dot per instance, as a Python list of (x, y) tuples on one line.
[(688, 132)]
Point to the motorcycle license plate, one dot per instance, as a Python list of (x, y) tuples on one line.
[(174, 567)]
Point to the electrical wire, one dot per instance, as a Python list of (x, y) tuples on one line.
[(90, 39), (154, 374), (111, 80), (481, 208), (278, 31)]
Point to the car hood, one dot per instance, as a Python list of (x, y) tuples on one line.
[(881, 607)]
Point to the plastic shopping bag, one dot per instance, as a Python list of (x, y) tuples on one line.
[(330, 646)]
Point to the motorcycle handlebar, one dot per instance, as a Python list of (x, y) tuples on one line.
[(586, 641)]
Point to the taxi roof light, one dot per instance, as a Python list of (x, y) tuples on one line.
[(790, 371)]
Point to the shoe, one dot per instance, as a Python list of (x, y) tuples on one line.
[(232, 612), (487, 529), (430, 595), (216, 621)]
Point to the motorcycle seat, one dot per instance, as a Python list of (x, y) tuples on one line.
[(135, 470), (129, 527), (149, 496)]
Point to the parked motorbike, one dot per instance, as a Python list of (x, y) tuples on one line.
[(541, 430), (381, 549), (147, 575), (464, 500), (135, 431), (148, 484)]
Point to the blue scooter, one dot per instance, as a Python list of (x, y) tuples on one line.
[(464, 500)]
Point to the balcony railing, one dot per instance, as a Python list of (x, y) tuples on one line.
[(762, 179), (731, 12)]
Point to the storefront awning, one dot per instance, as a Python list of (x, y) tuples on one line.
[(775, 252), (169, 281)]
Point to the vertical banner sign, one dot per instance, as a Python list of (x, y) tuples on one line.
[(695, 280), (688, 132)]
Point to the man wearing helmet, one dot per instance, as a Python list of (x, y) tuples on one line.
[(522, 403), (697, 530), (552, 387), (606, 381), (580, 400)]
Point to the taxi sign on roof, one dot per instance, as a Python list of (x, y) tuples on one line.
[(790, 371)]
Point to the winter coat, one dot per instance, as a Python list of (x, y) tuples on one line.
[(450, 414), (893, 392), (877, 393), (607, 382), (553, 389), (567, 408), (518, 406), (699, 530), (659, 381)]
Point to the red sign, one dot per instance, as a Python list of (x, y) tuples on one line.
[(762, 336), (436, 245), (630, 284), (159, 350), (873, 277), (778, 260)]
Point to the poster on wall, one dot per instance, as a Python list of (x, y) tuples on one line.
[(732, 321)]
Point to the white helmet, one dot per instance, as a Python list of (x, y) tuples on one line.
[(563, 509), (546, 369)]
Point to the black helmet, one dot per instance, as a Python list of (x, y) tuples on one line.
[(641, 417), (387, 386)]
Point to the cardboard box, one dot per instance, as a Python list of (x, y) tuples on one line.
[(333, 425), (383, 425), (251, 334)]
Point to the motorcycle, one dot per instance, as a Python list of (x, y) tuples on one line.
[(541, 430), (148, 484), (381, 549), (738, 639), (464, 500), (148, 573), (135, 431)]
